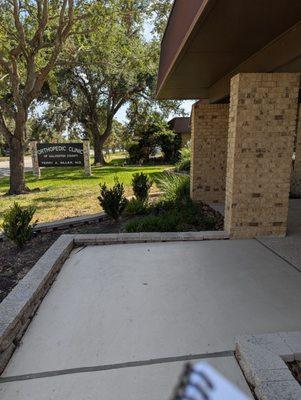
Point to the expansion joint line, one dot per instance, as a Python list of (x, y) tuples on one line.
[(108, 367)]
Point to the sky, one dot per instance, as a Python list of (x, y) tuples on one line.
[(121, 115)]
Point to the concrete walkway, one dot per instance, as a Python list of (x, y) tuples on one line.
[(120, 320), (289, 247)]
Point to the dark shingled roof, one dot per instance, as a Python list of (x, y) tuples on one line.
[(180, 124)]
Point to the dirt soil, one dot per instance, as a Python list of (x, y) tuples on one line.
[(15, 263), (295, 368)]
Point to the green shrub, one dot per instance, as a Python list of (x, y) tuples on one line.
[(208, 222), (136, 207), (16, 224), (175, 188), (112, 200), (168, 216), (141, 185), (185, 157), (161, 206), (154, 223)]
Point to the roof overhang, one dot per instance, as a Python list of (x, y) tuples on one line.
[(209, 41)]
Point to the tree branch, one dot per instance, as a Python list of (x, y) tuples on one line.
[(3, 126), (19, 26)]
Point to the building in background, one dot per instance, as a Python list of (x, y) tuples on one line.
[(181, 126)]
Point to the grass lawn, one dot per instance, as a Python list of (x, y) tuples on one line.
[(67, 192)]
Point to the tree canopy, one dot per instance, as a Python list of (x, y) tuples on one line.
[(32, 36), (83, 60)]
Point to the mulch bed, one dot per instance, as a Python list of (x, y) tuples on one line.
[(295, 368), (15, 263)]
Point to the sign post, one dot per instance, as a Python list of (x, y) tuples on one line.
[(87, 164), (35, 161)]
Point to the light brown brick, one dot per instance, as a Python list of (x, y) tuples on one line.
[(262, 123), (209, 152)]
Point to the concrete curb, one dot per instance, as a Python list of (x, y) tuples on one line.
[(144, 237), (45, 227), (19, 307), (69, 222), (263, 360)]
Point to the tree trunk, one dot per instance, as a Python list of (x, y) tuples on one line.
[(98, 154), (16, 164), (100, 139), (106, 133)]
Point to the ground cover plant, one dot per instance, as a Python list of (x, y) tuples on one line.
[(169, 217)]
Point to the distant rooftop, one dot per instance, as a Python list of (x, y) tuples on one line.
[(180, 124)]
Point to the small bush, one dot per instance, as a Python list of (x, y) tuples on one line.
[(175, 188), (17, 225), (185, 156), (141, 186), (136, 207), (112, 200)]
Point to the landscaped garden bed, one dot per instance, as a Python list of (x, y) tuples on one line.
[(15, 263)]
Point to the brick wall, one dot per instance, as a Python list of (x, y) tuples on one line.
[(296, 174), (209, 134), (262, 123)]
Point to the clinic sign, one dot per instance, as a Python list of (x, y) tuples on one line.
[(60, 154)]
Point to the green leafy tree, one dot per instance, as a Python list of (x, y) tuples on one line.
[(160, 11), (97, 80), (117, 139), (33, 34), (148, 130)]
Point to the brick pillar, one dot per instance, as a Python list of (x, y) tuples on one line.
[(262, 124), (209, 135), (296, 174)]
